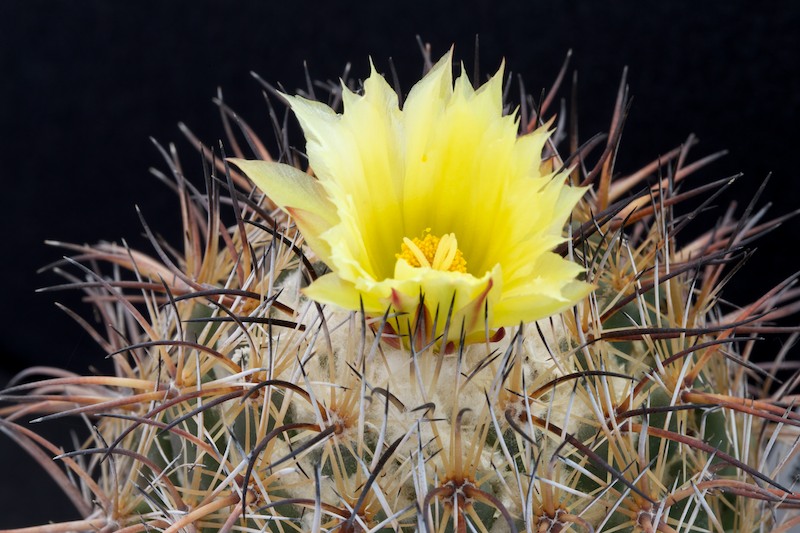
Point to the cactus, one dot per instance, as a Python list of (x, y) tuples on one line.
[(237, 403)]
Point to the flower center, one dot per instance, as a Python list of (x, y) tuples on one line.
[(438, 253)]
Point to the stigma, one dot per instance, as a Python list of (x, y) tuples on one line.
[(430, 251)]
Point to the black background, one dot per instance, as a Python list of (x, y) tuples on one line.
[(85, 83)]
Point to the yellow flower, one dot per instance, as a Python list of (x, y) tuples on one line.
[(435, 210)]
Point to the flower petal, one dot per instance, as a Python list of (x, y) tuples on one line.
[(298, 194), (355, 157), (288, 186), (551, 288), (311, 226), (462, 297), (535, 307), (331, 289)]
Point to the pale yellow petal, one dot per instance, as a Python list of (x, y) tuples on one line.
[(312, 226), (461, 297), (289, 187), (535, 307), (315, 118), (356, 159), (329, 151), (425, 102), (331, 289), (462, 170), (350, 256), (550, 288), (298, 194)]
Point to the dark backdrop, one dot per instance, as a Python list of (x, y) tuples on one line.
[(85, 83)]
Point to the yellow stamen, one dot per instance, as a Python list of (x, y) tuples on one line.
[(433, 252)]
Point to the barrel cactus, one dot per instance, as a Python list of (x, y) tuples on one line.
[(446, 315)]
